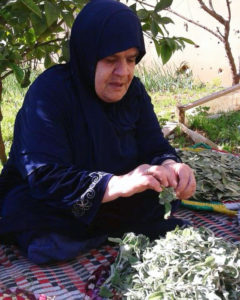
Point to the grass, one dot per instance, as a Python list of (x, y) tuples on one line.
[(12, 99), (167, 88), (224, 130), (159, 79)]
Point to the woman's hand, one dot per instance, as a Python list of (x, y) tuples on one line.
[(131, 183), (144, 177), (184, 176)]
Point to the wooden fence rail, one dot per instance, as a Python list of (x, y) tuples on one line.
[(182, 108)]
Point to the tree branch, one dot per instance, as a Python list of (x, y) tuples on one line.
[(224, 38), (145, 3), (211, 5), (28, 50), (47, 43), (212, 13), (5, 75), (219, 32), (229, 10), (235, 75), (196, 23), (2, 21)]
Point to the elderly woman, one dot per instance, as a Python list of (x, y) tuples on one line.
[(88, 158)]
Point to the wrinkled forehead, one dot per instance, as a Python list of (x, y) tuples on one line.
[(105, 27)]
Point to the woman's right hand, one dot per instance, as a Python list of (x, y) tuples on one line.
[(177, 175), (136, 181)]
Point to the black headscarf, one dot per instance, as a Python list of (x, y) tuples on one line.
[(102, 28)]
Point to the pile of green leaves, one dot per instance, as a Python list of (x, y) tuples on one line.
[(186, 264), (217, 175)]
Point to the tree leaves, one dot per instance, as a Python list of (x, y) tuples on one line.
[(48, 61), (166, 20), (33, 7), (39, 24), (19, 73), (26, 25), (68, 18), (165, 51), (104, 292), (30, 36), (187, 41), (143, 14), (154, 26), (163, 4), (65, 51), (26, 80), (52, 12)]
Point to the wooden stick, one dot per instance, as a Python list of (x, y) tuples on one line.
[(209, 97), (197, 137), (182, 108)]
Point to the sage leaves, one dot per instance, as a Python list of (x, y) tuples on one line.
[(186, 264), (217, 175)]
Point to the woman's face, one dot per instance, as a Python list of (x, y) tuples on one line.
[(114, 74)]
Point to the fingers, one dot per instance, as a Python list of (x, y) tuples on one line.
[(154, 172), (154, 184), (177, 175), (139, 180), (145, 181), (166, 176), (186, 183)]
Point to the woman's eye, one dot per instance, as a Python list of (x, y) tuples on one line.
[(110, 60), (132, 60)]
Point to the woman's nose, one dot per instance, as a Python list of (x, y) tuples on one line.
[(121, 69)]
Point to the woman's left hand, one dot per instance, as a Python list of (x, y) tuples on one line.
[(181, 178)]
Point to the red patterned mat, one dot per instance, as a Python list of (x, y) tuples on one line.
[(57, 281), (21, 279), (223, 226)]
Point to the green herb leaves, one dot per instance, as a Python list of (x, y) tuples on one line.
[(186, 264), (217, 175)]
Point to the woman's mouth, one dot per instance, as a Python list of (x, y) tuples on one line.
[(116, 84)]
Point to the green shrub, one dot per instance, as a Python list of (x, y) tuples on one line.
[(157, 78)]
